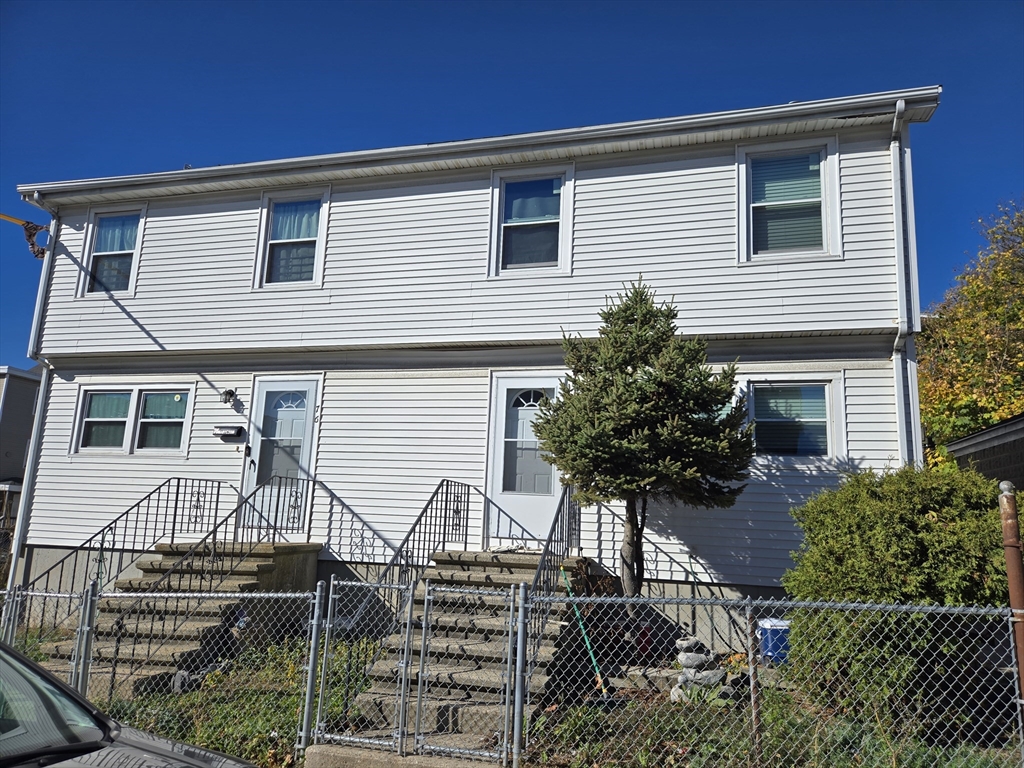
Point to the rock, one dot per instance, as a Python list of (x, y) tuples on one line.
[(691, 645), (694, 677), (677, 695), (689, 660)]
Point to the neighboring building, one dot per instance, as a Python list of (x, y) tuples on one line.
[(18, 390), (996, 451), (387, 318)]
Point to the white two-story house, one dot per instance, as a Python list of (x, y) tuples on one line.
[(382, 320)]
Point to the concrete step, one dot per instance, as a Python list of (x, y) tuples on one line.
[(472, 681), (438, 714), (204, 565), (126, 652), (145, 583), (497, 562), (148, 606), (154, 627), (456, 625), (494, 580), (265, 550)]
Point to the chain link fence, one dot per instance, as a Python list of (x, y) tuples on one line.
[(609, 682), (799, 684)]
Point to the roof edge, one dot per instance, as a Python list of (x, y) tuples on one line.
[(920, 103)]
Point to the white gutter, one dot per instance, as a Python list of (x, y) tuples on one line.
[(904, 328), (21, 525), (920, 100)]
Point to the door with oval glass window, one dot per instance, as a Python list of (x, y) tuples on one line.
[(279, 467), (520, 482)]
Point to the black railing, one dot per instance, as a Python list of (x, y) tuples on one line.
[(563, 538), (501, 525), (444, 521), (175, 507), (145, 624)]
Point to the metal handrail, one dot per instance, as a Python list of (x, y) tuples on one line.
[(563, 537), (272, 509), (176, 506), (502, 525)]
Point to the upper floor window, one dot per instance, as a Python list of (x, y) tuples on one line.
[(113, 250), (532, 220), (293, 231), (790, 419), (135, 419), (788, 197)]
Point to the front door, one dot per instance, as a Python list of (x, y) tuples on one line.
[(520, 482), (281, 444)]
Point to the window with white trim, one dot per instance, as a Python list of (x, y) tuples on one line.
[(788, 197), (135, 420), (790, 419), (114, 239), (293, 231), (531, 220)]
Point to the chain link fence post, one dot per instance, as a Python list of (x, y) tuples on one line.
[(520, 682), (81, 659), (509, 661), (755, 693), (9, 620), (311, 676), (403, 693)]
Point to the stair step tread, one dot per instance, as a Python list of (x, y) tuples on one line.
[(473, 578), (245, 567), (197, 607), (146, 627), (105, 650), (145, 583), (254, 550)]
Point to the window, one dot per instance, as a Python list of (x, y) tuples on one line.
[(133, 420), (790, 419), (293, 234), (788, 201), (113, 251), (532, 225)]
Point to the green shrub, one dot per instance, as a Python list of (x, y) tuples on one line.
[(910, 536), (919, 536)]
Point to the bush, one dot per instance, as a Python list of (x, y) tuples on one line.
[(917, 536), (913, 536)]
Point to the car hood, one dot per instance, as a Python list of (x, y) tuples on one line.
[(137, 749)]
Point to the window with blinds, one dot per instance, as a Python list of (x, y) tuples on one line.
[(786, 203), (790, 420)]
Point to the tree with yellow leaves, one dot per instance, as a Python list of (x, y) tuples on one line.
[(971, 348)]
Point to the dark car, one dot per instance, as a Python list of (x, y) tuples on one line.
[(44, 722)]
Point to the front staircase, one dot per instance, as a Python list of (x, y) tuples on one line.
[(141, 640), (457, 697)]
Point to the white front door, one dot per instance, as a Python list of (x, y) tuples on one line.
[(520, 482), (281, 444)]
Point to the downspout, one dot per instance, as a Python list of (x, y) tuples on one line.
[(21, 525), (903, 330), (916, 431)]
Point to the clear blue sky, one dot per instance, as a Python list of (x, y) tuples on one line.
[(105, 88)]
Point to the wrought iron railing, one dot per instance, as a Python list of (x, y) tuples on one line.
[(563, 538), (143, 626), (444, 521), (177, 507), (501, 525)]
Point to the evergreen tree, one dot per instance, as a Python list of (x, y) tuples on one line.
[(641, 416)]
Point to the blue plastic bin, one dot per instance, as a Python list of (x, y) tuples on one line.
[(773, 638)]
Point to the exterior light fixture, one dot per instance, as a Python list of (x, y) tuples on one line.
[(227, 396)]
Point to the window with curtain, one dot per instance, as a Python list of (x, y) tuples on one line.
[(786, 203), (530, 223), (161, 419), (104, 419), (291, 251), (156, 419), (790, 419), (113, 250)]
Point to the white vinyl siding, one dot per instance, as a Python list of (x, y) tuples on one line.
[(409, 265)]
